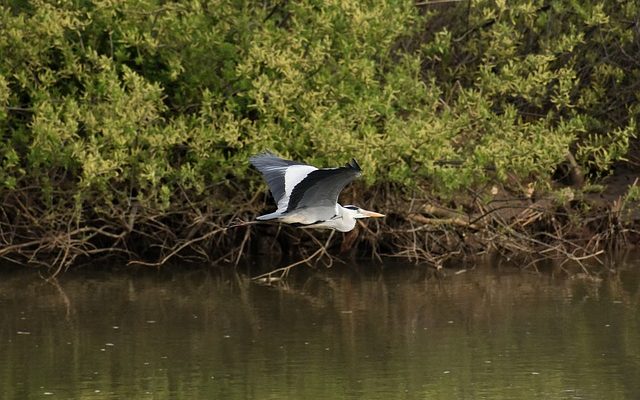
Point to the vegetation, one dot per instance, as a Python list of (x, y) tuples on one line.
[(128, 124)]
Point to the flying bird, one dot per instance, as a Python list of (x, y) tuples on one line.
[(308, 196)]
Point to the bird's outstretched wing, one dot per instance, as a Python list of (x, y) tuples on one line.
[(321, 188), (281, 175)]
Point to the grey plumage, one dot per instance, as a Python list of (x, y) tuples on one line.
[(307, 195), (321, 188), (273, 169)]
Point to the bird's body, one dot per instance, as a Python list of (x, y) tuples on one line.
[(308, 196)]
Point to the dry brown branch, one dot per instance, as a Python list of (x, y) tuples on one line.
[(177, 249), (247, 234), (284, 271), (440, 221), (420, 231)]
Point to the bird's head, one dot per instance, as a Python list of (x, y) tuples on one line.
[(357, 212)]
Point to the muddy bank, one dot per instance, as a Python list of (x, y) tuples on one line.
[(571, 223)]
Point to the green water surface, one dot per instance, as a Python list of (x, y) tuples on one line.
[(369, 333)]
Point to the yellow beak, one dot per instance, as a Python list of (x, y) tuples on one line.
[(371, 214)]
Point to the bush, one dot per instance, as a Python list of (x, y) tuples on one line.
[(105, 103)]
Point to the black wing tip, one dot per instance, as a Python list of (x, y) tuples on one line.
[(263, 154), (354, 165)]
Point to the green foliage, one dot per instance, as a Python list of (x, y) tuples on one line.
[(629, 203), (117, 99)]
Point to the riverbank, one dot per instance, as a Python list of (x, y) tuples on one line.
[(480, 126), (568, 224)]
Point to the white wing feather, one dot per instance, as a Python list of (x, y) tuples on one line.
[(294, 174)]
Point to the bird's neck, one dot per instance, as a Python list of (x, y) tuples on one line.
[(348, 220)]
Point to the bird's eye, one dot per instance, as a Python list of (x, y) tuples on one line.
[(354, 208)]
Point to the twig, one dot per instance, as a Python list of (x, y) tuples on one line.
[(441, 221), (284, 271), (247, 234), (177, 250)]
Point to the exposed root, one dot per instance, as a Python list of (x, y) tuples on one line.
[(177, 249), (280, 274), (422, 230), (529, 230)]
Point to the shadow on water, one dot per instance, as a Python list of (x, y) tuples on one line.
[(392, 332)]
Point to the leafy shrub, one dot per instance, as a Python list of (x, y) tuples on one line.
[(117, 100)]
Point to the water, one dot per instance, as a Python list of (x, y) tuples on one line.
[(395, 333)]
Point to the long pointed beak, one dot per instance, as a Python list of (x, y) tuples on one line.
[(371, 214)]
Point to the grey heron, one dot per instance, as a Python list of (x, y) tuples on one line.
[(308, 196)]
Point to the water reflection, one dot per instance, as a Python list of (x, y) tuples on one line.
[(371, 333)]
